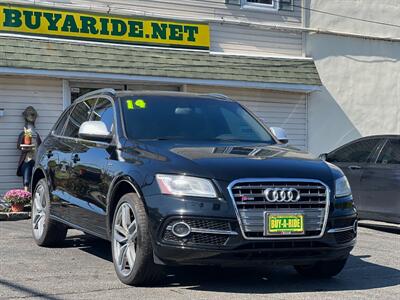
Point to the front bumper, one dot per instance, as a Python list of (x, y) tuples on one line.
[(233, 249)]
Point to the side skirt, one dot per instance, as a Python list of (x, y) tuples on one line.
[(79, 228)]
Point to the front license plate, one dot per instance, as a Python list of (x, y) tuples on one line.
[(284, 224)]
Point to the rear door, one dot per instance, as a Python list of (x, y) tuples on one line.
[(89, 161), (381, 184), (353, 158), (53, 144)]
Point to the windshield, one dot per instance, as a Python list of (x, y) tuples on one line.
[(186, 118)]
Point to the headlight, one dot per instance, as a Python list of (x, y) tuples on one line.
[(342, 187), (180, 185)]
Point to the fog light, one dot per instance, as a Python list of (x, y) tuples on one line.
[(355, 226), (181, 229)]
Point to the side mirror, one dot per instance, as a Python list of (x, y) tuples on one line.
[(323, 156), (95, 131), (280, 134)]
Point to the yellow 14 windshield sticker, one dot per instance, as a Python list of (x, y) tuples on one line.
[(91, 26), (137, 104)]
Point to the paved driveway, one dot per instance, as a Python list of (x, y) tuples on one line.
[(82, 269)]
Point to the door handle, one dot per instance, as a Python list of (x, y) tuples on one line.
[(76, 158), (49, 154), (354, 167), (63, 166)]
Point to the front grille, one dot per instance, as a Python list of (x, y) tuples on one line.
[(251, 204)]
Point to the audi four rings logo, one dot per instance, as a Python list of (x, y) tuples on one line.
[(282, 195)]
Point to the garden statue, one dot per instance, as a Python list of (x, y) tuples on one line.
[(28, 141)]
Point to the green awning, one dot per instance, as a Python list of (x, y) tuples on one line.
[(54, 55)]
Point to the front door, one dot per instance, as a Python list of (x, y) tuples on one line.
[(381, 183), (353, 158), (64, 180), (89, 161)]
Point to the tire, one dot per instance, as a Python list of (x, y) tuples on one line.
[(322, 269), (45, 232), (131, 244)]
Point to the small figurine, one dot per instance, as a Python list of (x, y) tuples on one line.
[(28, 141)]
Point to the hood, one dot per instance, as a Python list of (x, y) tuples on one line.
[(229, 162)]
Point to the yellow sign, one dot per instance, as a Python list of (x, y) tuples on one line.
[(90, 26)]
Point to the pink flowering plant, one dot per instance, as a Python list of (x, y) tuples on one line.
[(17, 197)]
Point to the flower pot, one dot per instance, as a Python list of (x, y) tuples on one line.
[(27, 140), (17, 207)]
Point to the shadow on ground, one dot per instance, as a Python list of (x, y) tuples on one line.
[(359, 274), (28, 292)]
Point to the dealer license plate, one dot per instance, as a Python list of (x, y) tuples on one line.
[(284, 224)]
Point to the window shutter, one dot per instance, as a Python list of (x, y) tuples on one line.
[(234, 2), (287, 5)]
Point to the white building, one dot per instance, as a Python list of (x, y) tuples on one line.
[(357, 54), (260, 52)]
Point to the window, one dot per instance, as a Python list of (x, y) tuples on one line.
[(355, 152), (104, 112), (60, 125), (80, 114), (265, 2), (390, 153), (270, 4)]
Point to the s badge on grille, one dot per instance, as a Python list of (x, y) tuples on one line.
[(282, 195)]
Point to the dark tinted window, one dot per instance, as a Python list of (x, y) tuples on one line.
[(358, 151), (104, 112), (169, 117), (390, 153), (80, 114), (60, 125)]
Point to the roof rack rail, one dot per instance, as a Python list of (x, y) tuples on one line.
[(221, 96), (107, 90)]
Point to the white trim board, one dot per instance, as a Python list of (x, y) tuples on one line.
[(289, 87)]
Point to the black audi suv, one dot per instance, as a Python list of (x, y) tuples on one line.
[(188, 179)]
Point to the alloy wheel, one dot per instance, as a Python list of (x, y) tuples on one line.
[(38, 212), (125, 239)]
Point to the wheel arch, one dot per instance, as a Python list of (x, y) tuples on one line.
[(119, 187), (38, 173)]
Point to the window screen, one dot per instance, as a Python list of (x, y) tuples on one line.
[(390, 153), (80, 114), (357, 152)]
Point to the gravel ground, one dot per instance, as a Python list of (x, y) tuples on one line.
[(82, 269)]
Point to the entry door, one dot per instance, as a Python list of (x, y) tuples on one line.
[(89, 163), (381, 182)]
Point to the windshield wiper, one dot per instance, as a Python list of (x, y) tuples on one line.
[(164, 138)]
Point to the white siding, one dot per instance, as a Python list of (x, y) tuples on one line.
[(225, 37), (186, 9), (276, 109), (16, 93), (239, 39)]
